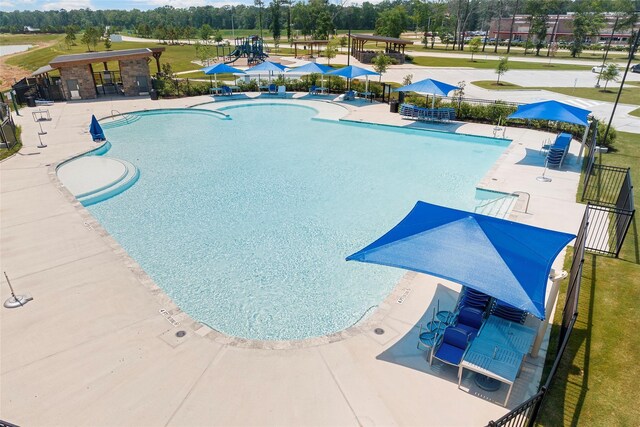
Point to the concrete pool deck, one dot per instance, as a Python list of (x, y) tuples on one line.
[(97, 345)]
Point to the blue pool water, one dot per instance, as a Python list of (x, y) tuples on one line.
[(245, 223)]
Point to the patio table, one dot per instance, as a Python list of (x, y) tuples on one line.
[(498, 351)]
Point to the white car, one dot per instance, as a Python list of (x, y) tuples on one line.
[(600, 68)]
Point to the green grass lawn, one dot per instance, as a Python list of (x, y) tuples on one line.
[(629, 95), (429, 61), (491, 84), (596, 384), (180, 57), (515, 51), (6, 152), (29, 38), (635, 112)]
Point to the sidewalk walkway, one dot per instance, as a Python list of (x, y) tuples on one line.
[(98, 344)]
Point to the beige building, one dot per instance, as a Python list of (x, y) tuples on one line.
[(559, 28)]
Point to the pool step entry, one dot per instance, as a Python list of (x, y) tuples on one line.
[(498, 207), (114, 188), (123, 120), (92, 179)]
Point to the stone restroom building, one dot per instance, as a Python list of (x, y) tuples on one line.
[(117, 72)]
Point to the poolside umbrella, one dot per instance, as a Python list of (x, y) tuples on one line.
[(220, 69), (268, 67), (351, 72), (429, 86), (96, 130), (555, 111), (311, 68), (552, 110), (504, 259)]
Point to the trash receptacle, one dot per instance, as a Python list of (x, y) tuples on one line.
[(31, 101), (393, 106), (154, 94)]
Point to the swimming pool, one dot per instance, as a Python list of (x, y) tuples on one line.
[(245, 223)]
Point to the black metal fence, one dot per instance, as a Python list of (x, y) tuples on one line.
[(609, 193), (8, 133), (526, 413)]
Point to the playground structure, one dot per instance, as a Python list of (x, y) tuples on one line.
[(251, 47)]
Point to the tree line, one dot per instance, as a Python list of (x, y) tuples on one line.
[(451, 20)]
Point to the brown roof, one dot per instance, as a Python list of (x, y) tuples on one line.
[(373, 38), (93, 57)]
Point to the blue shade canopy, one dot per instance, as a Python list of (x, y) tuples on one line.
[(96, 130), (220, 69), (505, 259), (267, 66), (352, 72), (310, 68), (552, 110), (428, 86)]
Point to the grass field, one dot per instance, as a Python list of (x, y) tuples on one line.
[(180, 57), (491, 84), (596, 384), (519, 52), (635, 112), (629, 95), (428, 61)]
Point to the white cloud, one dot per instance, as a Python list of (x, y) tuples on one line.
[(178, 4), (6, 6), (68, 5)]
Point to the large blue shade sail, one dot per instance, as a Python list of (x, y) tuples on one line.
[(220, 69), (505, 259), (310, 68), (552, 110), (267, 66), (96, 130), (352, 72), (428, 86)]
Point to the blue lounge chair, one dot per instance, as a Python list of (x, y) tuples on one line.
[(349, 96), (474, 299), (508, 312), (470, 320), (558, 151), (226, 91), (313, 90), (273, 89), (452, 346)]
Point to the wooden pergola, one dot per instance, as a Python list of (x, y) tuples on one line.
[(393, 46), (310, 43)]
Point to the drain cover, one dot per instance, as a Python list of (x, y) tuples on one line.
[(180, 334), (378, 331)]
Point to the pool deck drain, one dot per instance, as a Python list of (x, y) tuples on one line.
[(122, 364)]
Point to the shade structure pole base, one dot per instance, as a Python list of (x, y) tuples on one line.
[(551, 302)]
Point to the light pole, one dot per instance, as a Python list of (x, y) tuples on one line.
[(632, 50)]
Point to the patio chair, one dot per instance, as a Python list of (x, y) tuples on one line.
[(508, 312), (313, 90), (282, 91), (470, 320), (226, 91), (474, 299), (427, 339), (349, 95), (558, 151), (273, 89), (451, 347)]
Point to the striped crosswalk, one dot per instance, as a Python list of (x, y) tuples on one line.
[(582, 103)]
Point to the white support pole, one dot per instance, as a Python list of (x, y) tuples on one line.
[(551, 303), (584, 141)]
